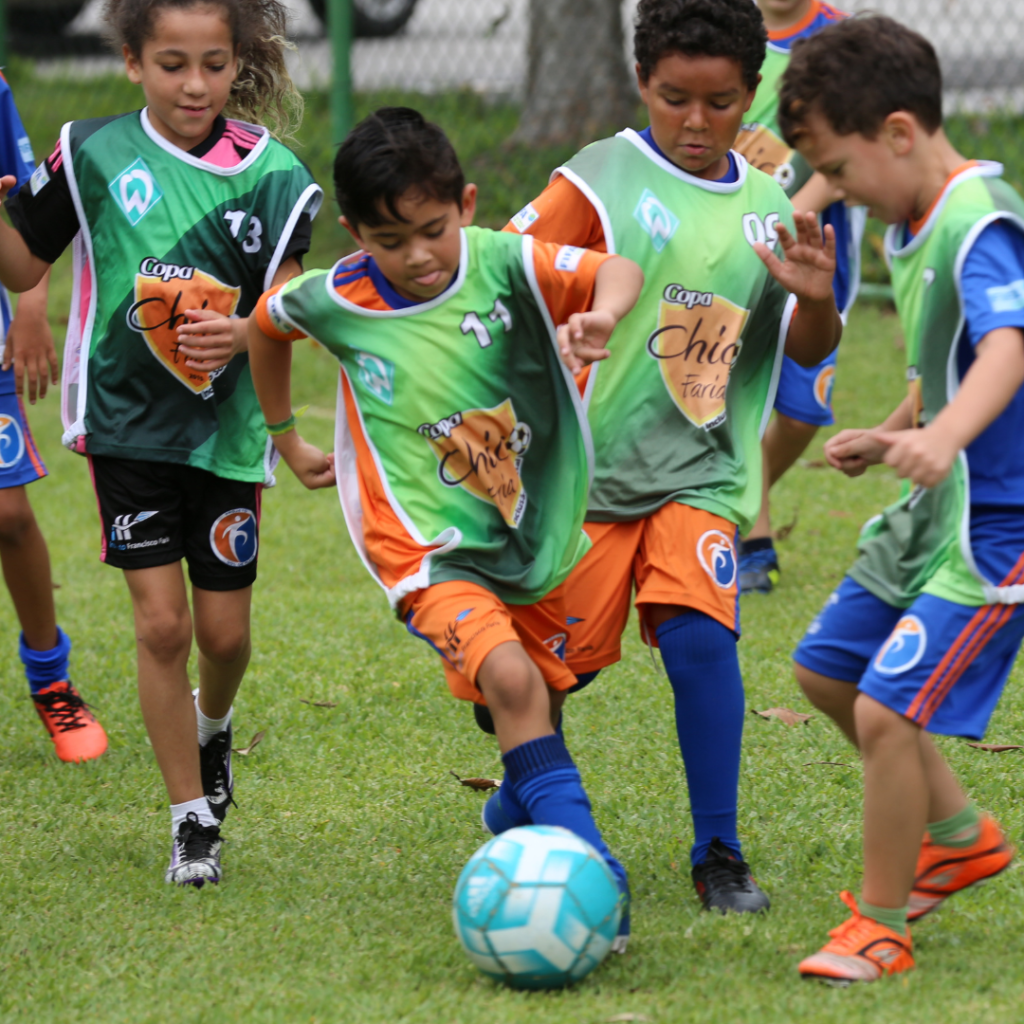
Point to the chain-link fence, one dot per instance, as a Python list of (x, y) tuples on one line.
[(518, 84)]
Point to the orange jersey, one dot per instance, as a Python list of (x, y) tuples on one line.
[(561, 213)]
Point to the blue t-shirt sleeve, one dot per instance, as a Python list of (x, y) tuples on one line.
[(992, 282), (15, 149)]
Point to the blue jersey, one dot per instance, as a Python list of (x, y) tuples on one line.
[(992, 284), (15, 158)]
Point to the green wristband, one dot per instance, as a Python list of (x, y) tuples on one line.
[(276, 429)]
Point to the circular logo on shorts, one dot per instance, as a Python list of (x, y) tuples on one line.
[(823, 386), (904, 648), (12, 441), (233, 537), (718, 557)]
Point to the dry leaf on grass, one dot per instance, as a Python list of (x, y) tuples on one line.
[(319, 703), (786, 715), (479, 784), (784, 531), (996, 748), (253, 743)]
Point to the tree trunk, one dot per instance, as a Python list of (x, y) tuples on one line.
[(578, 84)]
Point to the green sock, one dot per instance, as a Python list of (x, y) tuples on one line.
[(892, 917), (960, 831)]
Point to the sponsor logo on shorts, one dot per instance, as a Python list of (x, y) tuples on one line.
[(452, 640), (525, 217), (717, 557), (12, 441), (572, 620), (904, 648), (556, 645), (656, 219), (233, 537), (135, 191), (815, 626), (823, 386), (121, 528)]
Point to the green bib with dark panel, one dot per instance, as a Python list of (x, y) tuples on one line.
[(678, 410), (921, 544), (163, 232), (760, 139), (477, 428)]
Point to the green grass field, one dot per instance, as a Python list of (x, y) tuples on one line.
[(350, 832)]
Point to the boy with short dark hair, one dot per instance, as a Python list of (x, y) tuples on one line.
[(677, 413), (803, 402), (921, 635), (463, 455)]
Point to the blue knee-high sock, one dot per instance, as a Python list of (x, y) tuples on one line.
[(704, 669), (45, 667), (546, 784)]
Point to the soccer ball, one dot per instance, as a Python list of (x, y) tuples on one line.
[(519, 438), (537, 907)]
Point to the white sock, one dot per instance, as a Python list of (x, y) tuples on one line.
[(200, 808), (209, 727)]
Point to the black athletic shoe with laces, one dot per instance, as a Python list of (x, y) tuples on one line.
[(724, 882), (195, 854), (215, 768)]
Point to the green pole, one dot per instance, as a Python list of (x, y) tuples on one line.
[(339, 27)]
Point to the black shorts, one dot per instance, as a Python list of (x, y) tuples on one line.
[(156, 513)]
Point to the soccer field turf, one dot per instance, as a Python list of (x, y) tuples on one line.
[(350, 832)]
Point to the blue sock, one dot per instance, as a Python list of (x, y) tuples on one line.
[(45, 667), (547, 786), (704, 669)]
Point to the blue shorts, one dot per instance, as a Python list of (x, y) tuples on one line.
[(805, 393), (940, 664), (19, 458)]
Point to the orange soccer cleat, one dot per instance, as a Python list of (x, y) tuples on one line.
[(74, 730), (944, 870), (861, 950)]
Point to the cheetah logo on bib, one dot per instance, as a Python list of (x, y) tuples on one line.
[(163, 291), (482, 450), (696, 344), (767, 152)]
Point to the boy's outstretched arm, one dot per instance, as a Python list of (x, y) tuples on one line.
[(852, 450), (271, 364), (807, 272), (582, 338), (20, 270), (997, 373)]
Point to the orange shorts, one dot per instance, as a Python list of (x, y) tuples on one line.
[(464, 622), (678, 556)]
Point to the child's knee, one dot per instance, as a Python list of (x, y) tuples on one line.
[(165, 634), (825, 694), (223, 645), (16, 519), (878, 724), (509, 679)]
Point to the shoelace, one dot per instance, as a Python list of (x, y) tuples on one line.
[(66, 708), (728, 874), (196, 840), (215, 770)]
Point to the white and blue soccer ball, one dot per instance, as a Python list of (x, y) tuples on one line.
[(537, 907)]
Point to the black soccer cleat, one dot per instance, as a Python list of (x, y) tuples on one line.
[(724, 883), (215, 769)]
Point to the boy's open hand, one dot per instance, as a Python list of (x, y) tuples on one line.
[(313, 468), (810, 259), (211, 339), (925, 457), (582, 340), (852, 451), (30, 349)]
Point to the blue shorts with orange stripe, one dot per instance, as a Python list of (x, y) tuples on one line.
[(20, 462), (938, 663)]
